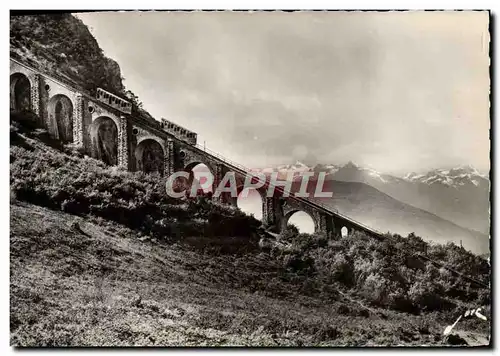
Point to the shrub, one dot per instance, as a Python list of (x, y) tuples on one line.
[(86, 186), (298, 263), (376, 289), (342, 270), (290, 233), (424, 295), (389, 273)]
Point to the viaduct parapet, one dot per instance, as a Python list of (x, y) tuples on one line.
[(105, 128)]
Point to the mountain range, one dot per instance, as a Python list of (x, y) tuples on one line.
[(441, 205)]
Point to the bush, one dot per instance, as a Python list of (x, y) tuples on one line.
[(426, 297), (375, 289), (389, 273), (86, 186), (298, 263), (290, 233), (398, 299), (342, 270)]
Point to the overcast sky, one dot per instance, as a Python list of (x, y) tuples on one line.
[(398, 92)]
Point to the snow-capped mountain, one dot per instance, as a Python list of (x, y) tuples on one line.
[(459, 194), (296, 167), (285, 168), (455, 177), (353, 172), (458, 177), (327, 168)]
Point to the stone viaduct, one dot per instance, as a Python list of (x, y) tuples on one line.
[(104, 127)]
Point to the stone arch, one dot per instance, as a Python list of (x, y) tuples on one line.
[(193, 161), (189, 166), (20, 92), (60, 122), (150, 156), (289, 213), (250, 205), (104, 135)]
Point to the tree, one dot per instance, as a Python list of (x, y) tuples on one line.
[(134, 98)]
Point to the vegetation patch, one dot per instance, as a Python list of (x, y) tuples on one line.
[(101, 256), (45, 176)]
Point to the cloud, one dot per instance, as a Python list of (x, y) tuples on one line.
[(381, 88)]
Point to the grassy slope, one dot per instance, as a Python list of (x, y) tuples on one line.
[(102, 285), (107, 285), (97, 283)]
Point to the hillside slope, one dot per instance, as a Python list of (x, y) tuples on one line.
[(87, 282), (101, 257), (63, 45), (116, 262)]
